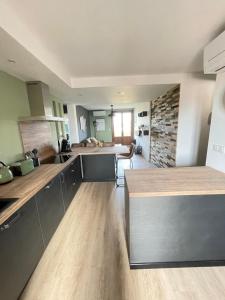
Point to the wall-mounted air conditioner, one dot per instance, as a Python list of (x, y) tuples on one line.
[(214, 55), (99, 113)]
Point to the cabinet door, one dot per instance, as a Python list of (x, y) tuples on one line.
[(66, 183), (77, 174), (50, 208), (77, 165), (21, 247), (71, 178)]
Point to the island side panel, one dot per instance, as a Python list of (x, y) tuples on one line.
[(98, 167), (127, 217), (176, 230)]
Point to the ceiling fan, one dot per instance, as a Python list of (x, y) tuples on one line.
[(112, 113)]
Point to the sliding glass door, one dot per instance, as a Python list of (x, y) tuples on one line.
[(123, 127)]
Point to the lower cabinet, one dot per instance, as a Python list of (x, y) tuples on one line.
[(21, 247), (71, 179), (50, 208), (77, 175), (24, 236)]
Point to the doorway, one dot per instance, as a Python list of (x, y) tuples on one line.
[(123, 127)]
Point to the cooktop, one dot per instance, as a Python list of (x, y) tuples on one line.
[(56, 159)]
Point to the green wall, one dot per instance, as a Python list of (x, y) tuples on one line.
[(106, 135), (13, 104)]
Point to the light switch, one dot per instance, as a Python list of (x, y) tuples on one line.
[(219, 148)]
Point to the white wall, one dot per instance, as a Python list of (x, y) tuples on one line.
[(143, 140), (216, 158), (72, 121), (193, 130)]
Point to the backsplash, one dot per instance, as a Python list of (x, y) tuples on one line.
[(164, 125), (38, 134)]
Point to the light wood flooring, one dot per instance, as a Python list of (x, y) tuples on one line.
[(87, 259)]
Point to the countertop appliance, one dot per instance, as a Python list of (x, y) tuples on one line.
[(56, 159), (65, 145), (23, 167), (5, 173)]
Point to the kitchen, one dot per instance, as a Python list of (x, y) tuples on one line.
[(67, 231)]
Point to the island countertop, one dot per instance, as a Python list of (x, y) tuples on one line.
[(100, 150), (174, 181)]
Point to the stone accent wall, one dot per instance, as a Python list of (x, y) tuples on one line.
[(164, 124)]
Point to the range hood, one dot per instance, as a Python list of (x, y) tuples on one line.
[(40, 103)]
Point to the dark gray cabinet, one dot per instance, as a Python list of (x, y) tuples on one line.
[(175, 231), (26, 233), (71, 179), (77, 175), (67, 184), (50, 208), (98, 167), (21, 247)]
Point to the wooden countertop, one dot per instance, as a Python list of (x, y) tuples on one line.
[(25, 187), (175, 181), (100, 150)]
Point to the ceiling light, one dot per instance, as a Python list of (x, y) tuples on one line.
[(121, 93), (12, 61)]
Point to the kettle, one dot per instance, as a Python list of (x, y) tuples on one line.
[(5, 173)]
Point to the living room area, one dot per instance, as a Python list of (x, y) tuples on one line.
[(157, 119)]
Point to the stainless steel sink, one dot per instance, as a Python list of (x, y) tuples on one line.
[(6, 202)]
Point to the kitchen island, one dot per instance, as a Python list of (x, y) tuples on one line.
[(98, 163), (175, 217)]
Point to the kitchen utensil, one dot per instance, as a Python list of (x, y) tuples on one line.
[(35, 157), (35, 152)]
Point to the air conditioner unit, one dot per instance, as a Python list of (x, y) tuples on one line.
[(214, 55), (99, 113)]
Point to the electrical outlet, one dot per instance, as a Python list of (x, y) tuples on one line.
[(216, 147), (223, 149)]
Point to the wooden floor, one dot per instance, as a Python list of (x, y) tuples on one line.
[(87, 259)]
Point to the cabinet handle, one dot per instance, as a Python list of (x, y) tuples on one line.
[(74, 183), (11, 222), (72, 171)]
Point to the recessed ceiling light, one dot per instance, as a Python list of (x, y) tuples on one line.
[(11, 61)]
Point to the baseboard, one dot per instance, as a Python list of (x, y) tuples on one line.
[(180, 264)]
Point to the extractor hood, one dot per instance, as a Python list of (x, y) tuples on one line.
[(40, 103)]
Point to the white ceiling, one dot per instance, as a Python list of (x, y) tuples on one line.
[(114, 37), (78, 43), (27, 67), (121, 97)]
